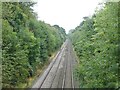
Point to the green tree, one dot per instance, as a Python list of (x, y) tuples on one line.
[(96, 43), (27, 43)]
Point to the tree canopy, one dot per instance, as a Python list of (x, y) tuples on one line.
[(27, 42), (96, 42)]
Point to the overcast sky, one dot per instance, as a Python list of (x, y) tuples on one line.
[(65, 13)]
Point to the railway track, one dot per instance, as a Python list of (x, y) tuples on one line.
[(59, 73)]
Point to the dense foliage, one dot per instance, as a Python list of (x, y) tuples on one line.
[(27, 42), (97, 45)]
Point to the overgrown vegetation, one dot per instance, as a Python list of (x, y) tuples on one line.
[(96, 42), (27, 43)]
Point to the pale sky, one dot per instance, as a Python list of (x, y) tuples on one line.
[(65, 13)]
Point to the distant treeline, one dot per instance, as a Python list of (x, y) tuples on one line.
[(27, 43)]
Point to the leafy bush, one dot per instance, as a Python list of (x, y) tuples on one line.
[(96, 44), (27, 43)]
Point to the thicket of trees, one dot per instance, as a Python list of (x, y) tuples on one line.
[(97, 44), (27, 43)]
